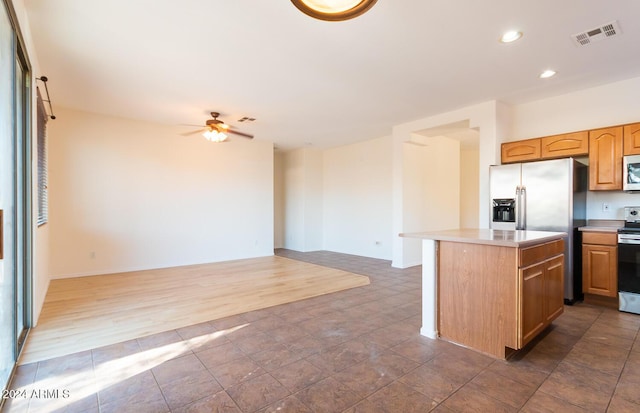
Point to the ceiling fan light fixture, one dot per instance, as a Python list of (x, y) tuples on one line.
[(333, 10), (214, 135)]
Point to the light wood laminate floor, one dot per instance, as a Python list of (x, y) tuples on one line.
[(89, 312)]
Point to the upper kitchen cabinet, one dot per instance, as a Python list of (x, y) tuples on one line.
[(519, 151), (605, 159), (565, 145), (549, 147), (632, 139)]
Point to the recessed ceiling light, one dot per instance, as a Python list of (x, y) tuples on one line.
[(547, 74), (510, 36)]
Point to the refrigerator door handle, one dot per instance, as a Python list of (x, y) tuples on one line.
[(518, 203), (523, 207)]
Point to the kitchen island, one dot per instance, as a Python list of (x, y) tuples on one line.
[(490, 290)]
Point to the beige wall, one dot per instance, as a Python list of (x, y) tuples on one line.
[(469, 188), (489, 118), (128, 195), (357, 201), (278, 200), (432, 184), (302, 182)]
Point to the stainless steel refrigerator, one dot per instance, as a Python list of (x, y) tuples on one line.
[(544, 196)]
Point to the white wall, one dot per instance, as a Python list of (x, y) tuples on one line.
[(357, 199), (617, 200), (302, 169), (607, 105), (128, 195)]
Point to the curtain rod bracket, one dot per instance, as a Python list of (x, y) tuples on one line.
[(44, 80)]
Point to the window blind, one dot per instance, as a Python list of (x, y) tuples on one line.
[(43, 196)]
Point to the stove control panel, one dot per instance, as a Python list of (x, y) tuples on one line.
[(632, 213)]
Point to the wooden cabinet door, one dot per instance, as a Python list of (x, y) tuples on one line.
[(518, 151), (632, 139), (554, 288), (565, 145), (532, 317), (605, 159), (599, 270)]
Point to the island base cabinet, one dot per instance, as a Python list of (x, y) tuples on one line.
[(541, 288), (542, 297), (554, 288), (495, 299), (477, 286), (533, 315)]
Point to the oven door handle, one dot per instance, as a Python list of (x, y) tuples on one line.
[(629, 240)]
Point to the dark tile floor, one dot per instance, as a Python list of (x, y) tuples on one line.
[(354, 351)]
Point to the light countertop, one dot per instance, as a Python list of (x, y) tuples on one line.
[(597, 225), (597, 228), (498, 237)]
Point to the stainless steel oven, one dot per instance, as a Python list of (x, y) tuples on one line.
[(629, 262)]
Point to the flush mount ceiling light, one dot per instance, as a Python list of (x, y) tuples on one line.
[(510, 36), (333, 10), (547, 74)]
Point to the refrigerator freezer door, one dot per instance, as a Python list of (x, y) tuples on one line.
[(503, 181)]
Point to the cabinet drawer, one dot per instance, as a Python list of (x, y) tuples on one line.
[(555, 248), (600, 238), (539, 253)]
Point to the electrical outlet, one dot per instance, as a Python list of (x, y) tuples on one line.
[(605, 207)]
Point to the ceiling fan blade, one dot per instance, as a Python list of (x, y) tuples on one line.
[(193, 132), (246, 135)]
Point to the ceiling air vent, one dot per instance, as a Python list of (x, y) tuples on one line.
[(599, 33)]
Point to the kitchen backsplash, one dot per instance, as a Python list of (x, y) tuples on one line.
[(598, 201)]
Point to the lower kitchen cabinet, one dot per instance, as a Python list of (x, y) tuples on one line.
[(542, 288), (600, 264), (554, 288), (533, 314)]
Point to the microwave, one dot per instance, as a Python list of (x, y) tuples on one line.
[(631, 173)]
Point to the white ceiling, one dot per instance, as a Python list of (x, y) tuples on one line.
[(311, 82)]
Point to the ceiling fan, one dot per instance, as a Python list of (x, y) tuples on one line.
[(216, 130)]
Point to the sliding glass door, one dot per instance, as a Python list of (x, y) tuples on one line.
[(23, 204), (15, 215)]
